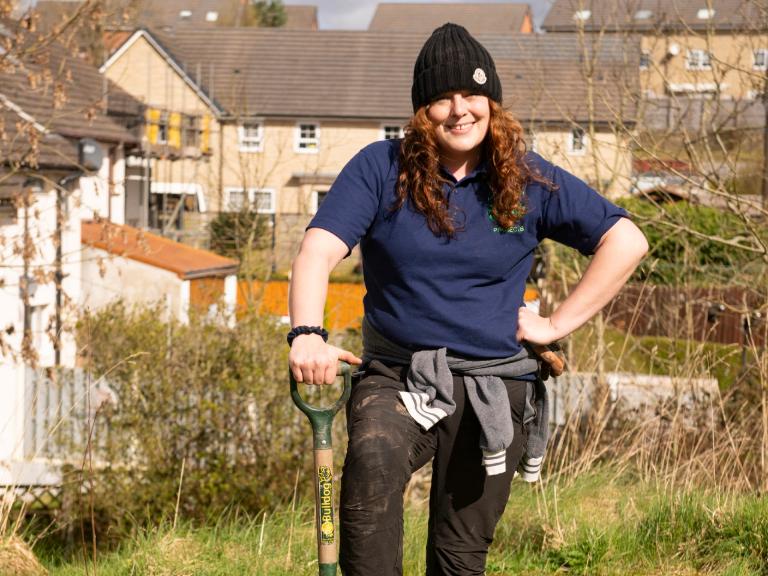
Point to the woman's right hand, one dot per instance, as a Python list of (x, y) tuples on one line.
[(312, 361)]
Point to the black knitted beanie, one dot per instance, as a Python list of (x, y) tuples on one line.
[(451, 60)]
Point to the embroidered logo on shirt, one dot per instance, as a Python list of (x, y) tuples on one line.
[(479, 76), (500, 229)]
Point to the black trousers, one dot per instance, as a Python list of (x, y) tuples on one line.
[(386, 446)]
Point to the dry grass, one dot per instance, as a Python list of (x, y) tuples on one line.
[(17, 559)]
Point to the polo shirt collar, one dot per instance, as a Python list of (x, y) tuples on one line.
[(481, 168)]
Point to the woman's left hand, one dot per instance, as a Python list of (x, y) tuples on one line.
[(534, 329)]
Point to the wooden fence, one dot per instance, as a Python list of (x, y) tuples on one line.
[(343, 307), (723, 315)]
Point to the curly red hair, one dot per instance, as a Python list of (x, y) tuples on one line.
[(421, 181)]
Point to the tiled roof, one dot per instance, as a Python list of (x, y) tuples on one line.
[(187, 262), (54, 151), (478, 19), (171, 14), (55, 12), (76, 110), (368, 75), (654, 15)]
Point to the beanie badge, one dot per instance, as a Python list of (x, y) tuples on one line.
[(479, 76)]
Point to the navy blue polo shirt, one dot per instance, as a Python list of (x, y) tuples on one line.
[(426, 292)]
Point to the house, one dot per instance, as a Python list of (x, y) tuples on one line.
[(688, 47), (63, 160), (273, 132), (115, 23), (478, 19), (67, 133)]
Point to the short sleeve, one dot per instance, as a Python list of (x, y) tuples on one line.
[(576, 215), (352, 203)]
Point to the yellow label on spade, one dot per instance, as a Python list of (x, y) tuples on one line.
[(325, 478)]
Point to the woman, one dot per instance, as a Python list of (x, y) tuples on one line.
[(447, 221)]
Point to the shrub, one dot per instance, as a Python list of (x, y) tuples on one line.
[(207, 395)]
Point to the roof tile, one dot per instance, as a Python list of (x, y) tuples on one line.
[(187, 262)]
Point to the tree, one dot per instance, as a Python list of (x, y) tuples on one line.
[(270, 14)]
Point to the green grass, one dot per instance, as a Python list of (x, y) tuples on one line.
[(596, 524)]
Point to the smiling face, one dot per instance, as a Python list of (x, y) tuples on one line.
[(461, 121)]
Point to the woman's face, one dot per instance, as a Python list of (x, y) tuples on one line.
[(461, 122)]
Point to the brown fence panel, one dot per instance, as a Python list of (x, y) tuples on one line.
[(702, 314)]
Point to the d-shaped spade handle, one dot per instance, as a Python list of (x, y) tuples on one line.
[(321, 418)]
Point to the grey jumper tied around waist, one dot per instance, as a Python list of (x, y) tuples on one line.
[(429, 396)]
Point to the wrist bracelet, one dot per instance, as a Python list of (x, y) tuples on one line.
[(299, 330)]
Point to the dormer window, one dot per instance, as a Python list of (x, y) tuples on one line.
[(211, 16), (582, 15), (643, 15), (185, 14), (705, 14)]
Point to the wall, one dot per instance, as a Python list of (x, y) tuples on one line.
[(41, 226), (607, 157), (733, 66), (144, 74), (343, 306), (132, 281)]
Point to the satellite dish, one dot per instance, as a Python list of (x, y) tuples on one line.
[(89, 152)]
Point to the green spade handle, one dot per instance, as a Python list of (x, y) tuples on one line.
[(321, 420)]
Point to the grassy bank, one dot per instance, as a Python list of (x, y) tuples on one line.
[(594, 525)]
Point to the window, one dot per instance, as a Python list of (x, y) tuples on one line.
[(236, 199), (190, 126), (705, 14), (8, 210), (390, 132), (185, 14), (643, 15), (250, 137), (261, 200), (162, 128), (760, 58), (308, 137), (317, 200), (699, 60), (577, 142), (582, 15), (645, 59), (211, 16), (531, 142)]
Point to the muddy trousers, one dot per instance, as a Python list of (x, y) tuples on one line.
[(386, 446)]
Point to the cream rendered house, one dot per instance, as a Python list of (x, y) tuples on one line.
[(281, 112), (702, 47)]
